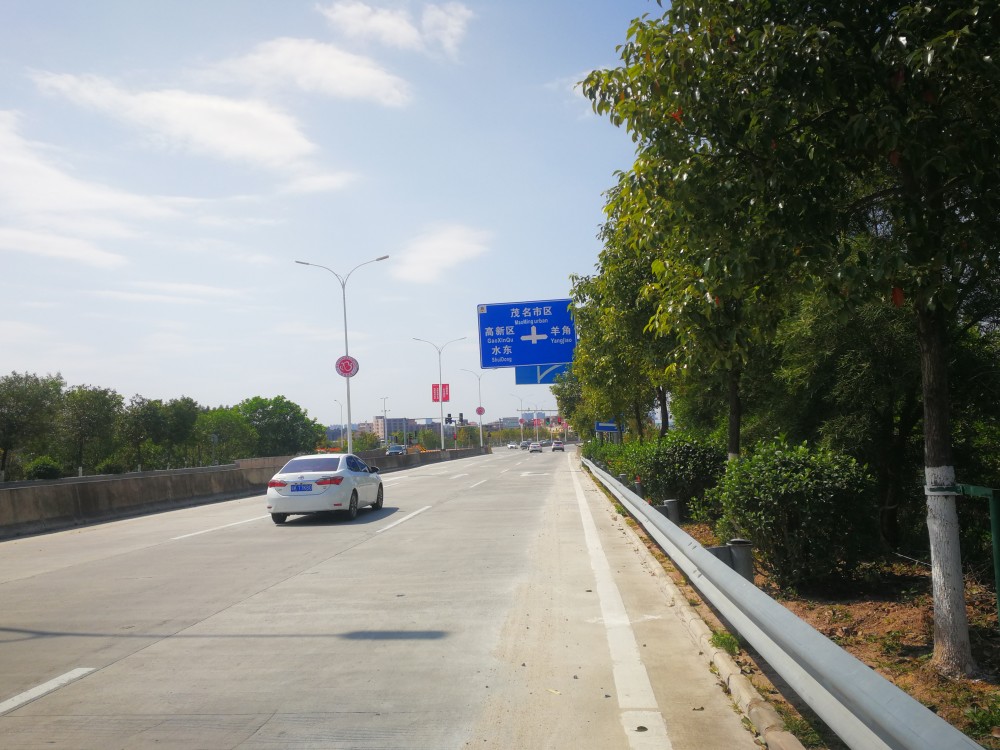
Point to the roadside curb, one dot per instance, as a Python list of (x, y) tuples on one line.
[(765, 720)]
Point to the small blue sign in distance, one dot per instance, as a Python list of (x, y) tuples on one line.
[(538, 374), (516, 334), (605, 427)]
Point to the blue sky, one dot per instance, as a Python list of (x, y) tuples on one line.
[(163, 164)]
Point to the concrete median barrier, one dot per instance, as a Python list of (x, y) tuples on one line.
[(37, 507)]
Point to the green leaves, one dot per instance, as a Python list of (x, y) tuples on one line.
[(805, 509)]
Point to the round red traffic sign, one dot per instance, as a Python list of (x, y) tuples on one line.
[(347, 367), (520, 421), (480, 410)]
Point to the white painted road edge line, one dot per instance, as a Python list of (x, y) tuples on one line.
[(208, 531), (635, 693), (37, 692), (404, 518)]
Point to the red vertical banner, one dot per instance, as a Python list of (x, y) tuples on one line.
[(436, 393), (445, 392)]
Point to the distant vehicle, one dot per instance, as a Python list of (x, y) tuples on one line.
[(525, 444), (396, 450), (323, 483), (512, 445), (557, 445), (535, 448)]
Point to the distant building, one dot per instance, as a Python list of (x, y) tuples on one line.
[(394, 424)]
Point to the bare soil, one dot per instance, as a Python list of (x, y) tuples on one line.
[(885, 619)]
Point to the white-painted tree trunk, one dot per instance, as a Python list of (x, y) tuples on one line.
[(952, 649)]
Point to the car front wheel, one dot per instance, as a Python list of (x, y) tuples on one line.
[(378, 499)]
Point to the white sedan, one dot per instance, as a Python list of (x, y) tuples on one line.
[(323, 483)]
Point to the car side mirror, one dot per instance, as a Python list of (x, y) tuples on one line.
[(373, 470)]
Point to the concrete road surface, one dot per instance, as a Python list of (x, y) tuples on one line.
[(495, 602)]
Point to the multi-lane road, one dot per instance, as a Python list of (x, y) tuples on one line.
[(494, 602)]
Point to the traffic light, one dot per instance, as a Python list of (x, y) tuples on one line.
[(448, 419), (461, 418), (548, 421)]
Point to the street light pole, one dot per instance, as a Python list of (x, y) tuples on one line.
[(520, 415), (440, 380), (479, 377), (341, 423), (343, 290), (385, 422)]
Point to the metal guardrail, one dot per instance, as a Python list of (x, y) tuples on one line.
[(865, 710)]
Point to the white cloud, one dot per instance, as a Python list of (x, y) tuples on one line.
[(430, 256), (189, 290), (49, 245), (147, 297), (394, 28), (18, 332), (247, 131), (36, 192), (315, 68), (446, 24), (440, 26), (318, 183)]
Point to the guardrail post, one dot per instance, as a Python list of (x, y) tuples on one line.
[(741, 554), (671, 509)]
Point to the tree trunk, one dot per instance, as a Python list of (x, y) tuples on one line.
[(952, 650), (735, 414), (895, 467), (661, 398), (640, 420)]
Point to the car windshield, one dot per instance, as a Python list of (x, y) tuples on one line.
[(316, 463)]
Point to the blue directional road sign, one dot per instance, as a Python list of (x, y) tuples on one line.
[(515, 334), (538, 374), (606, 427)]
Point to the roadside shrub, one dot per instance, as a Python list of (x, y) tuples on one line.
[(110, 466), (809, 512), (43, 467), (678, 466), (683, 467)]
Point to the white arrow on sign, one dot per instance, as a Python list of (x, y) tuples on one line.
[(534, 337)]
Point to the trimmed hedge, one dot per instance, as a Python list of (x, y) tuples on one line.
[(43, 467), (678, 466), (808, 511)]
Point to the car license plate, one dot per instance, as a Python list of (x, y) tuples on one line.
[(302, 488)]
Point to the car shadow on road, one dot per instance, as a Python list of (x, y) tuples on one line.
[(338, 518)]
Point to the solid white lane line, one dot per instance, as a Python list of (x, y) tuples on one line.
[(37, 692), (209, 531), (478, 483), (404, 518), (635, 692), (459, 476)]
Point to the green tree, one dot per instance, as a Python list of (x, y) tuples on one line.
[(180, 414), (365, 441), (283, 427), (853, 145), (29, 405), (141, 425), (621, 362), (222, 435), (88, 418), (429, 439)]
